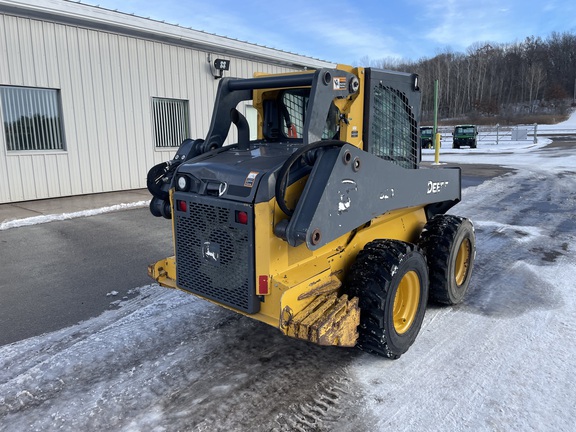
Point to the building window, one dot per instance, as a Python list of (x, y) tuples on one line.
[(170, 121), (32, 119)]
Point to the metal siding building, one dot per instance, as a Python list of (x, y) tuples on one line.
[(113, 83)]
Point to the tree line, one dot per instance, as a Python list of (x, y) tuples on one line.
[(534, 76)]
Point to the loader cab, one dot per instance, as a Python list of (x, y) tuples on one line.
[(389, 116), (374, 110)]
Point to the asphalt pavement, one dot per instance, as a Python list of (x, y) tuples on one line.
[(57, 274)]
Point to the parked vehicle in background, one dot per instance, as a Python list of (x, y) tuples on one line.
[(426, 137), (464, 135)]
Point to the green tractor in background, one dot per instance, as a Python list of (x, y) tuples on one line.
[(465, 135), (426, 137)]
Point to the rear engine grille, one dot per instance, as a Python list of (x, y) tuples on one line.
[(214, 253)]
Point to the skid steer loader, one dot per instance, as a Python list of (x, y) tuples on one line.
[(325, 226)]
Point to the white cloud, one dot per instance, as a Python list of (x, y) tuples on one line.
[(342, 31), (461, 24)]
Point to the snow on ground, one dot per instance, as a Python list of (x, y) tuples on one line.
[(504, 360), (490, 151), (566, 126), (35, 220), (510, 154)]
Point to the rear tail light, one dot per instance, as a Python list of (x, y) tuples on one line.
[(182, 206), (241, 217), (263, 287)]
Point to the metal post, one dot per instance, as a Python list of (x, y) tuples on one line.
[(497, 132), (435, 131), (535, 133)]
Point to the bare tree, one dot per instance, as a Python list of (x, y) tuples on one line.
[(489, 77)]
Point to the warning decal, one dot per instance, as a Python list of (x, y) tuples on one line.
[(249, 182), (339, 83)]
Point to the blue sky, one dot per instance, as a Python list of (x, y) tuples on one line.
[(344, 31)]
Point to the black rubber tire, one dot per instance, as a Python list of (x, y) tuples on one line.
[(375, 278), (449, 244)]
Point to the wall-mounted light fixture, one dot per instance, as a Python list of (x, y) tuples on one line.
[(218, 67)]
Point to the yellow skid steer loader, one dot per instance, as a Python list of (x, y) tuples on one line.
[(325, 226)]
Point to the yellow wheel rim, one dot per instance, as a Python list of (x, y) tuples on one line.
[(462, 262), (406, 302)]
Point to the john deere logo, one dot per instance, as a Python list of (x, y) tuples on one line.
[(211, 252)]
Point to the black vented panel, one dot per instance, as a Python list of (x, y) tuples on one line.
[(214, 253), (393, 127), (391, 115)]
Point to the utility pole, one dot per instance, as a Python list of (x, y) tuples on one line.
[(435, 130)]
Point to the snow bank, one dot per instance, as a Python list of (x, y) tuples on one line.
[(35, 220)]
